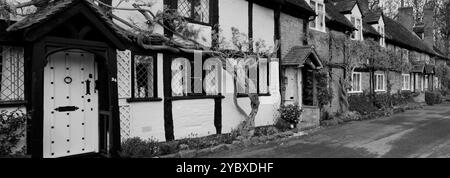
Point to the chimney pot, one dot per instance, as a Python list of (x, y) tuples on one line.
[(428, 14), (406, 18)]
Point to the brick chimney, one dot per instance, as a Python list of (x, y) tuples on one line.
[(428, 15), (406, 17), (364, 5)]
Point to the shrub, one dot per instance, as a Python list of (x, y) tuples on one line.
[(429, 98), (290, 113), (362, 104), (432, 98), (383, 101), (12, 130), (265, 131), (138, 148), (349, 116), (282, 125), (438, 98)]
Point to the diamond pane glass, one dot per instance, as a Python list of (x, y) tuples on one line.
[(12, 73), (144, 77), (197, 10)]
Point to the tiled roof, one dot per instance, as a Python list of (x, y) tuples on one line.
[(56, 7), (301, 4), (397, 33), (334, 16), (418, 68), (298, 55), (371, 17), (345, 5)]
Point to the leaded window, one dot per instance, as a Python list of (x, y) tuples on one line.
[(197, 10), (144, 76), (12, 74)]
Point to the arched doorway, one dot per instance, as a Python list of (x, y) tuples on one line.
[(71, 104)]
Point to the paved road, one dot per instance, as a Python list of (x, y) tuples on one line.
[(413, 134)]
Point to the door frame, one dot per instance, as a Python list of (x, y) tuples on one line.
[(106, 58)]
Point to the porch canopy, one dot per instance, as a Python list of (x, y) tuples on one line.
[(301, 56), (425, 69), (48, 18)]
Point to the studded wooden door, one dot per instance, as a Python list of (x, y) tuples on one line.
[(70, 104)]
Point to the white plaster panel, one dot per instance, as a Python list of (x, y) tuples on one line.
[(238, 18), (193, 118), (264, 25)]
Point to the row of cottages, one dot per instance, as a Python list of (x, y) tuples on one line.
[(87, 82), (412, 43)]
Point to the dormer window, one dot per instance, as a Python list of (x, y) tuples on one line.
[(194, 10), (382, 33), (319, 22), (357, 22)]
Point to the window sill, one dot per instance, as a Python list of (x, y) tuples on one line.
[(246, 95), (318, 30), (177, 98), (355, 92), (141, 100), (190, 20), (12, 103)]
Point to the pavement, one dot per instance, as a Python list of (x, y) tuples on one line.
[(421, 133)]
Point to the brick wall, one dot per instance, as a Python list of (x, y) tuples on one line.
[(292, 33), (310, 118)]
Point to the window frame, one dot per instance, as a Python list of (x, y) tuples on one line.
[(406, 78), (133, 78), (192, 20), (317, 20), (377, 87), (17, 102), (357, 34), (352, 90)]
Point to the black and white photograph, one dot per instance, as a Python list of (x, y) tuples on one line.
[(224, 79)]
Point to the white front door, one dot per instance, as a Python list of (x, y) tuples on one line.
[(70, 104)]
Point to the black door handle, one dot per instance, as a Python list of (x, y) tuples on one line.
[(66, 109), (88, 87)]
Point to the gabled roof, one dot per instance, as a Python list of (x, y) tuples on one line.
[(299, 55), (423, 69), (55, 8), (336, 18)]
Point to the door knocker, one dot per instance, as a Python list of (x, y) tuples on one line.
[(68, 80)]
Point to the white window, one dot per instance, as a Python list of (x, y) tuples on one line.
[(406, 82), (380, 82), (319, 7), (356, 83), (357, 22), (382, 33), (425, 83)]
